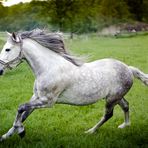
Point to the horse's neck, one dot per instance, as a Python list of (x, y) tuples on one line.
[(40, 58)]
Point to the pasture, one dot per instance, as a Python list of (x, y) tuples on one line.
[(63, 126)]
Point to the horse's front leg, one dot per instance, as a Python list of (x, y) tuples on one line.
[(23, 112), (17, 125), (16, 128)]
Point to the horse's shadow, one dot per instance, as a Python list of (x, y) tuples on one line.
[(104, 137)]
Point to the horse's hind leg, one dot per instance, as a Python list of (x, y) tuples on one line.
[(108, 114), (125, 107)]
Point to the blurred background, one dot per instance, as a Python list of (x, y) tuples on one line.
[(75, 16)]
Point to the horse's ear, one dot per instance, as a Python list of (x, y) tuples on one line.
[(9, 34), (15, 38)]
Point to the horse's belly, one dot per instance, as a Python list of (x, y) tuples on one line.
[(82, 95), (77, 100)]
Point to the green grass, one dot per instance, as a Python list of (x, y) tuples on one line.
[(63, 126)]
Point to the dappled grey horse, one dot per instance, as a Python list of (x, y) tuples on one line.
[(62, 78)]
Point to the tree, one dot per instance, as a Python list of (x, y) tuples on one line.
[(3, 14), (72, 15), (22, 16), (63, 13), (145, 11), (136, 8), (114, 10)]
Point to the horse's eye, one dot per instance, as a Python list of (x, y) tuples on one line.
[(7, 49)]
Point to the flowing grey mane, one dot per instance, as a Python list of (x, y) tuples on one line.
[(52, 41)]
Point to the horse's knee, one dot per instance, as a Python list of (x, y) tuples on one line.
[(23, 108)]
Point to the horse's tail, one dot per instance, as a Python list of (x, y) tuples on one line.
[(139, 75)]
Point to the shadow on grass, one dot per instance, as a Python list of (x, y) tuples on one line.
[(104, 138)]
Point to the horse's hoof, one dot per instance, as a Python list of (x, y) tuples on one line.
[(22, 134), (90, 131), (123, 125)]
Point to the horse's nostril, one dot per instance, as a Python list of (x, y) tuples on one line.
[(1, 72)]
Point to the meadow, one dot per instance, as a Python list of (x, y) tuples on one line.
[(63, 126)]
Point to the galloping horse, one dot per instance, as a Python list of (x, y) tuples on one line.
[(62, 78)]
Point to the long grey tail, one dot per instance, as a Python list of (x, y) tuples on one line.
[(139, 74)]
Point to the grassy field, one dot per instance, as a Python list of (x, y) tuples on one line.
[(63, 126)]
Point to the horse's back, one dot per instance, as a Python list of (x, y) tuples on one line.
[(116, 73), (106, 63)]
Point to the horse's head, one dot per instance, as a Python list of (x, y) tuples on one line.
[(11, 53)]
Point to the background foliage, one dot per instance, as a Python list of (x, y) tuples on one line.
[(77, 16)]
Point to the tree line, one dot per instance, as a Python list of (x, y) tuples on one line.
[(77, 16)]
